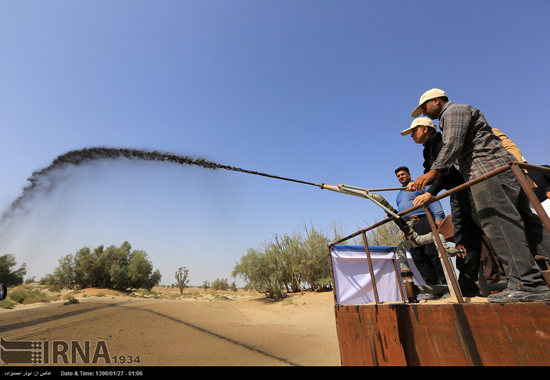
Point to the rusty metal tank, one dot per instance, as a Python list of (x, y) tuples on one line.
[(452, 334)]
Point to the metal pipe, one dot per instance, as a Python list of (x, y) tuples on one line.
[(397, 279), (361, 194), (446, 264), (332, 275), (428, 239), (369, 190), (532, 167), (410, 288), (371, 269), (457, 189), (431, 289), (381, 202)]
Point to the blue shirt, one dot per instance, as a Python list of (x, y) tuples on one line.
[(405, 201)]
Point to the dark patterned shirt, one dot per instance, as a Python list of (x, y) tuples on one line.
[(469, 142)]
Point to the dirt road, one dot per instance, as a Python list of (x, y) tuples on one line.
[(151, 332)]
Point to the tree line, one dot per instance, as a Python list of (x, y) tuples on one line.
[(292, 262)]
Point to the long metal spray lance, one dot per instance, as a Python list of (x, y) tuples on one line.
[(366, 193), (362, 193), (352, 190), (380, 201)]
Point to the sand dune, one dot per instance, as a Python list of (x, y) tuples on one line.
[(236, 329)]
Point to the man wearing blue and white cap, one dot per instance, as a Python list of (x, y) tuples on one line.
[(502, 206)]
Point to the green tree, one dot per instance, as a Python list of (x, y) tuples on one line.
[(288, 250), (64, 274), (182, 278), (119, 278), (139, 270), (8, 276), (153, 280), (114, 267), (84, 267), (99, 274), (269, 269), (314, 266), (254, 268)]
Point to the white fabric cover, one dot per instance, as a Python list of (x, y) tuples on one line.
[(352, 279)]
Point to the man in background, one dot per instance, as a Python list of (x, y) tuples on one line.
[(425, 257)]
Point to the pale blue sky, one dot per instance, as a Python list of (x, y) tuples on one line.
[(312, 90)]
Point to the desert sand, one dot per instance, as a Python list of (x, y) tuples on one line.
[(231, 329)]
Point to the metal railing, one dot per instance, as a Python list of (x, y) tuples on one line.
[(515, 167)]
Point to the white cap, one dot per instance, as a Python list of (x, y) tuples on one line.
[(418, 122), (430, 94)]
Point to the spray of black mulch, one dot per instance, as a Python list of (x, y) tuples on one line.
[(87, 155)]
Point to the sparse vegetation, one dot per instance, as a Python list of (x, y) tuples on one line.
[(34, 293), (220, 284), (221, 297), (288, 302), (25, 295), (7, 304)]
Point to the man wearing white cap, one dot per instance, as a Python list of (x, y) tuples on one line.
[(466, 227), (502, 206)]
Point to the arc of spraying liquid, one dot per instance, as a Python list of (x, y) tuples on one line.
[(82, 156), (77, 157)]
